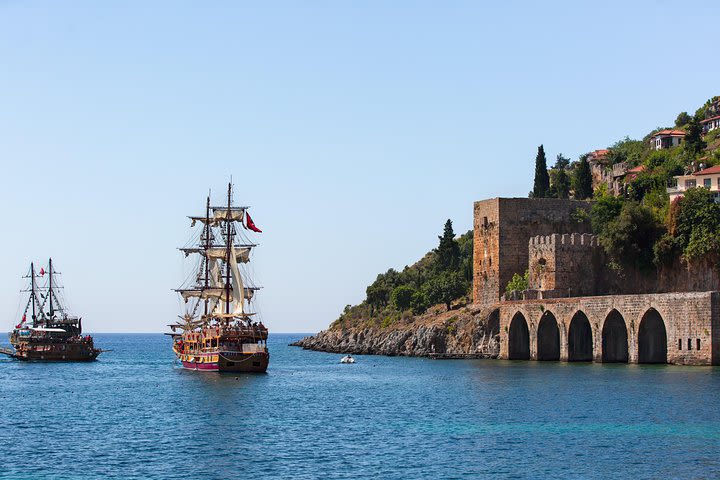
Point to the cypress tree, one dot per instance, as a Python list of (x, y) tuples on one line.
[(583, 180), (448, 252), (541, 186)]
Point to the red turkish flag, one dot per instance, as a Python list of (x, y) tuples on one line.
[(250, 224), (42, 272)]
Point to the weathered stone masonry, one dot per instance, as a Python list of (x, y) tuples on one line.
[(502, 228), (564, 265), (691, 322), (567, 314)]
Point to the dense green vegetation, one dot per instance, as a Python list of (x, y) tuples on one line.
[(518, 283), (640, 228), (440, 277)]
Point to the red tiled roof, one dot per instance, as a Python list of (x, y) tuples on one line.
[(670, 133), (638, 169), (710, 119), (709, 171)]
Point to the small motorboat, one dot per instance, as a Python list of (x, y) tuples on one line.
[(347, 359)]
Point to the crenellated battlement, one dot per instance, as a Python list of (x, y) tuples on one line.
[(574, 239)]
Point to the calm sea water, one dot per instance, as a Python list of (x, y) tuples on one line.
[(135, 414)]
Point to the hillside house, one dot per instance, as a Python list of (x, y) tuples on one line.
[(710, 124), (666, 139), (708, 178)]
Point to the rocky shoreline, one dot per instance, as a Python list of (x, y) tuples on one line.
[(460, 333)]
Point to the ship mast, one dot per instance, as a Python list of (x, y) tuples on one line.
[(32, 292), (207, 247), (50, 290), (228, 247)]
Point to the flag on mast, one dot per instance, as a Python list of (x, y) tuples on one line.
[(249, 224)]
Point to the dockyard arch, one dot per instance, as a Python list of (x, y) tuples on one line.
[(548, 338), (518, 338), (580, 341), (614, 339), (652, 338)]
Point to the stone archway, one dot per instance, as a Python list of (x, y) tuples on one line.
[(519, 338), (652, 338), (614, 339), (580, 341), (548, 338)]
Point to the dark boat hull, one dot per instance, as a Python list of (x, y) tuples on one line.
[(56, 357), (54, 352)]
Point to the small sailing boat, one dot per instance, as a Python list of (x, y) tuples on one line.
[(52, 334), (219, 332), (347, 359)]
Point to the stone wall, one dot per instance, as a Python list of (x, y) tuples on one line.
[(691, 323), (502, 228), (568, 265)]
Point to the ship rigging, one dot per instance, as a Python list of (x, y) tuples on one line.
[(219, 329)]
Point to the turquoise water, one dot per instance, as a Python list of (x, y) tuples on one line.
[(134, 414)]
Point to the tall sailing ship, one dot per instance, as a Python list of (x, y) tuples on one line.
[(219, 331), (52, 334)]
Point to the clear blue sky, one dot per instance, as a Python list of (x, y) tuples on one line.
[(354, 129)]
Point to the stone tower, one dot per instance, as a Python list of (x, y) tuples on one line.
[(502, 229)]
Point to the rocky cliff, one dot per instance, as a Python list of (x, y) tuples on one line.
[(464, 331)]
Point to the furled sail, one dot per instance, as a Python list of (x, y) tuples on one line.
[(242, 255), (217, 293), (234, 213), (218, 253)]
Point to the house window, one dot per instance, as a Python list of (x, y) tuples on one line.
[(718, 182), (689, 343), (690, 183), (680, 344), (698, 344), (707, 183)]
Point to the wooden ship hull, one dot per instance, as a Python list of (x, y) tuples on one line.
[(218, 349), (54, 352), (56, 356), (233, 362)]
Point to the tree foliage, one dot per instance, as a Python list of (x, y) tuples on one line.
[(694, 143), (559, 179), (401, 297), (629, 237), (541, 185), (445, 288), (627, 150), (695, 222), (582, 180), (448, 251), (518, 283)]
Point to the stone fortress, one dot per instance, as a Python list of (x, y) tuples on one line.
[(576, 308)]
